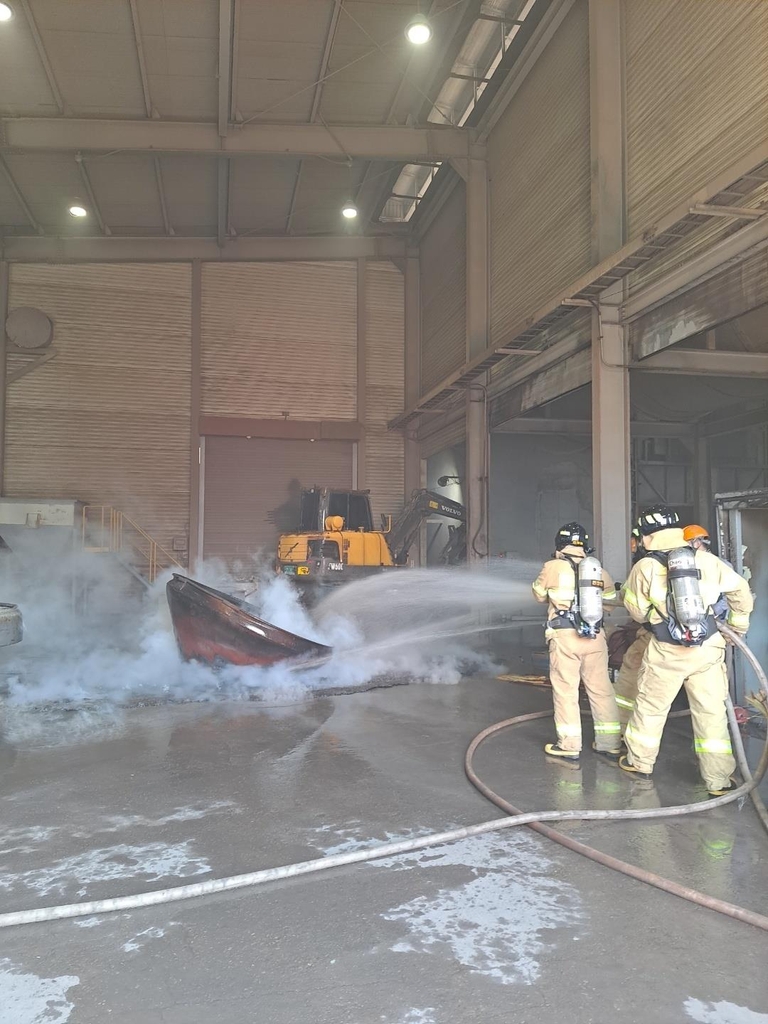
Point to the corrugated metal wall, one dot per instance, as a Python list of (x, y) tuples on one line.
[(252, 490), (696, 96), (384, 385), (107, 420), (444, 291), (279, 337), (447, 435), (539, 165)]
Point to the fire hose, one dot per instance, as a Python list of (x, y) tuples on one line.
[(396, 849)]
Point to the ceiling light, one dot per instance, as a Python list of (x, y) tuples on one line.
[(419, 31), (6, 12), (349, 210), (77, 211)]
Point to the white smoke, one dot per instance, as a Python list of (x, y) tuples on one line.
[(94, 638)]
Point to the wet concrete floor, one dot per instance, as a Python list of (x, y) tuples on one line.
[(508, 927)]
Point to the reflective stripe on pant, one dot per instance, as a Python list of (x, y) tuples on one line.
[(626, 681), (701, 670), (572, 659)]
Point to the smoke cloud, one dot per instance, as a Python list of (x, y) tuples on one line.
[(96, 639)]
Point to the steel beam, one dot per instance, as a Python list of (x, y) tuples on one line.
[(733, 249), (86, 180), (704, 362), (330, 38), (44, 59), (715, 426), (140, 58), (550, 425), (372, 142), (19, 196), (505, 406), (226, 31), (179, 249)]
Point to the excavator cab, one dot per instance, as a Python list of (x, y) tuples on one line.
[(319, 503), (336, 542)]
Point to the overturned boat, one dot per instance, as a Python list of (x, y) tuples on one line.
[(218, 629)]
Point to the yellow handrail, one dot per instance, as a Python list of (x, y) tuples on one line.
[(111, 526)]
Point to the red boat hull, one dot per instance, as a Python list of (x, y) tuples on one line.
[(214, 628)]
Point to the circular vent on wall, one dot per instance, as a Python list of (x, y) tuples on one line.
[(29, 328)]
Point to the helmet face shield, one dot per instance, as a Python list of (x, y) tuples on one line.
[(655, 518)]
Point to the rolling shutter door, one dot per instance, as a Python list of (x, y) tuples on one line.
[(539, 165), (696, 97), (252, 490), (443, 262), (384, 386), (279, 338), (107, 420)]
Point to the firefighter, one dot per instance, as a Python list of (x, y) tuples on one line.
[(626, 681), (574, 584), (673, 590), (699, 540)]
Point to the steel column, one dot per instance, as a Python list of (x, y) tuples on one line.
[(361, 372), (610, 376), (3, 364), (478, 321), (702, 476), (412, 452), (477, 474), (610, 440), (478, 259), (195, 446)]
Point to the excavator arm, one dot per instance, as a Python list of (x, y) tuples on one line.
[(405, 527)]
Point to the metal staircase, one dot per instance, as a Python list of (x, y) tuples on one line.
[(108, 530)]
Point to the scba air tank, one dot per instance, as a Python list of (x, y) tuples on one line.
[(689, 610), (591, 587)]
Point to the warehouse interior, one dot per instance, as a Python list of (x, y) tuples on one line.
[(513, 252)]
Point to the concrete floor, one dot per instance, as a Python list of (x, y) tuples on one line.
[(508, 927)]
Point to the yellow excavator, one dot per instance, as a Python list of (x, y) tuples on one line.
[(336, 542)]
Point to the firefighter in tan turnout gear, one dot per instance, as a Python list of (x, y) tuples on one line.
[(574, 585), (626, 681), (673, 589)]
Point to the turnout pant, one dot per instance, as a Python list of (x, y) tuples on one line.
[(574, 659), (626, 681), (665, 668)]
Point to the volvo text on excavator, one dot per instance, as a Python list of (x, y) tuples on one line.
[(336, 541)]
